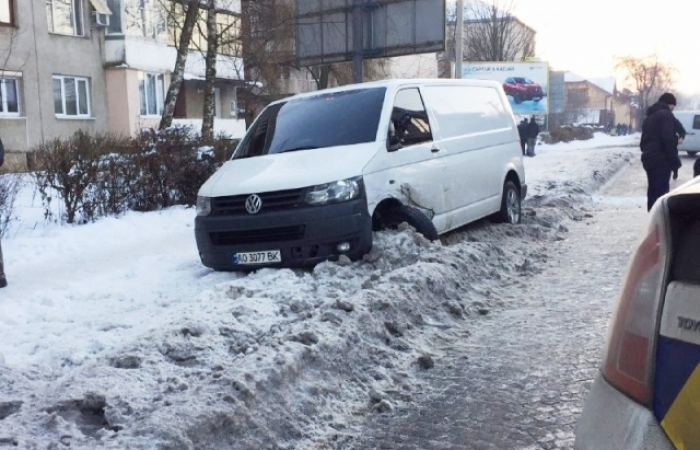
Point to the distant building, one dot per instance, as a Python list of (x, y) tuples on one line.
[(595, 101)]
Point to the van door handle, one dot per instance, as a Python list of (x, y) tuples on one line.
[(435, 149)]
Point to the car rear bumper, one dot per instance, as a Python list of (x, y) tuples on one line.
[(304, 236), (612, 421)]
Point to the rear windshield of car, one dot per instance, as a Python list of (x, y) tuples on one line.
[(325, 120)]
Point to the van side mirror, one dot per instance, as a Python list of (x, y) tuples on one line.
[(393, 143)]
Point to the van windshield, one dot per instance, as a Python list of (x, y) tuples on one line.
[(326, 120)]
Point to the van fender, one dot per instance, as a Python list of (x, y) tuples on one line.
[(403, 195)]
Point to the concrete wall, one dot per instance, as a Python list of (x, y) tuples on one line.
[(38, 55)]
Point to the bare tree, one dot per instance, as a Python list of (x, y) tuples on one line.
[(190, 9), (649, 76), (210, 71), (493, 33)]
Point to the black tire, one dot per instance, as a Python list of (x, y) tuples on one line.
[(412, 216), (518, 98), (511, 211), (692, 153)]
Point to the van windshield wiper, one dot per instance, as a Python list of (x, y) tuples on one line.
[(294, 149)]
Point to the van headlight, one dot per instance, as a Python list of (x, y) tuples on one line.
[(203, 205), (338, 191)]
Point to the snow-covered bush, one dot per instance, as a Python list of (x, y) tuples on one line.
[(568, 134), (90, 176), (10, 185)]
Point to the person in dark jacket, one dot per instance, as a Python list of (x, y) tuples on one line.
[(696, 168), (680, 130), (3, 279), (531, 132), (522, 127), (659, 145)]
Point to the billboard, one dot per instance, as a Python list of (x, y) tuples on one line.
[(324, 29), (525, 83)]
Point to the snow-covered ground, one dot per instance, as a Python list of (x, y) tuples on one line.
[(114, 336)]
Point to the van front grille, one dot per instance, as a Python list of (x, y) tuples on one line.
[(257, 236), (271, 201)]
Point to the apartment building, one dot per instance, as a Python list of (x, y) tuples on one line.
[(51, 71), (103, 66)]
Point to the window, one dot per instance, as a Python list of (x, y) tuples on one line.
[(696, 123), (320, 121), (65, 16), (9, 97), (151, 92), (228, 27), (409, 120), (6, 12), (71, 96)]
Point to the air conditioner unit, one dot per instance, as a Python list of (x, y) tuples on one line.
[(100, 20)]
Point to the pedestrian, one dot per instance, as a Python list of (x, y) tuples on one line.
[(3, 279), (696, 168), (531, 133), (522, 131), (618, 129), (659, 145)]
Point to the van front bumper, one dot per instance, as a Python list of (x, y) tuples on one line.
[(304, 236)]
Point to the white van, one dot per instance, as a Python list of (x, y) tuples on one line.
[(316, 173), (691, 122)]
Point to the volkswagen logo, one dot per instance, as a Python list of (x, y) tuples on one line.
[(253, 204)]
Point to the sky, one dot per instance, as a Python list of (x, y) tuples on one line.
[(585, 37), (118, 322)]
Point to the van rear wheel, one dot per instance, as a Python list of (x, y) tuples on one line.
[(412, 216), (510, 205), (692, 153)]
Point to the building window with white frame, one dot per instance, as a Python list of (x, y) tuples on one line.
[(9, 97), (65, 16), (71, 96), (151, 93), (6, 13)]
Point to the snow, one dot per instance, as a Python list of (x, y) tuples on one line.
[(114, 336)]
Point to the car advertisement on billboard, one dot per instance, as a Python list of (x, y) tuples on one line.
[(525, 83)]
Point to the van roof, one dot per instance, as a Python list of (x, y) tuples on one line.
[(393, 84)]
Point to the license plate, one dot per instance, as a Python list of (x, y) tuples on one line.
[(264, 257)]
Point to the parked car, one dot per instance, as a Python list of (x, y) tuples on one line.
[(317, 173), (646, 395), (522, 89), (691, 122)]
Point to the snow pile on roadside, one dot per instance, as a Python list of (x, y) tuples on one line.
[(281, 358)]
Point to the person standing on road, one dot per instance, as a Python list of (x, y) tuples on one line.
[(659, 145), (531, 132), (522, 131), (3, 279)]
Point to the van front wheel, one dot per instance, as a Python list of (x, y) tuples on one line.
[(510, 204), (412, 216)]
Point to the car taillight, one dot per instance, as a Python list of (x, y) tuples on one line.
[(632, 335)]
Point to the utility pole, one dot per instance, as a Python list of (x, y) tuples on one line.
[(459, 39), (357, 41)]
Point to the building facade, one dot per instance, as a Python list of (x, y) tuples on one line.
[(104, 66)]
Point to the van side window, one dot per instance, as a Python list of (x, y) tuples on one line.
[(409, 120), (696, 122)]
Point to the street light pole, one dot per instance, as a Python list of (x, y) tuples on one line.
[(459, 39), (357, 41)]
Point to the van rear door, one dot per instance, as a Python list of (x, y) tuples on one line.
[(691, 123)]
